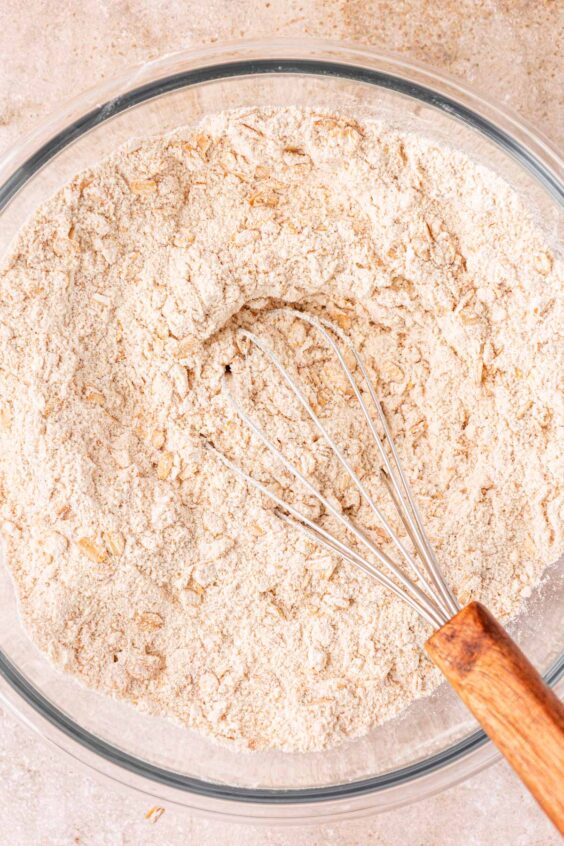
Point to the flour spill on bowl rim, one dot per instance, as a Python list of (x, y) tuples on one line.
[(142, 566)]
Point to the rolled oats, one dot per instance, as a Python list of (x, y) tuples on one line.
[(118, 318)]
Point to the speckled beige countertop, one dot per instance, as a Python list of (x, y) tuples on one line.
[(51, 50)]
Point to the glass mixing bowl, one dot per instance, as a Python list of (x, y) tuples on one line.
[(434, 743)]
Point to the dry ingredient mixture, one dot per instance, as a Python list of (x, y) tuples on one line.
[(143, 566)]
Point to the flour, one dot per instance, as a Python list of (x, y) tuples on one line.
[(143, 566)]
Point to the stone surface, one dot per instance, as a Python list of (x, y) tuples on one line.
[(53, 50)]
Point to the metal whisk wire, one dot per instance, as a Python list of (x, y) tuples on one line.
[(433, 600)]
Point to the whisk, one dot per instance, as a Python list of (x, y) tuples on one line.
[(495, 680)]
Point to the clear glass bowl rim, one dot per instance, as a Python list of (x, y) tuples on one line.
[(153, 79)]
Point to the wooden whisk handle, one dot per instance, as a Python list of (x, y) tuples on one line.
[(523, 717)]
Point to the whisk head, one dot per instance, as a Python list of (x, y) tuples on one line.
[(418, 581)]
